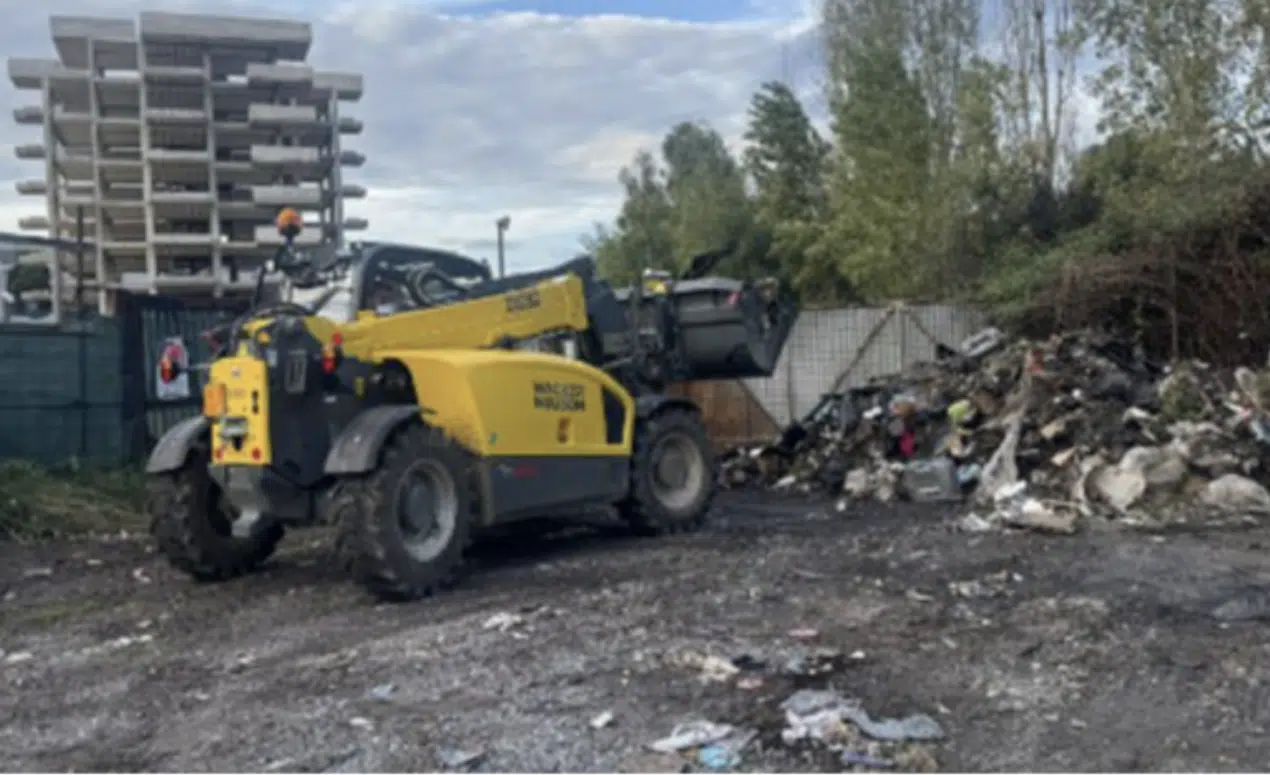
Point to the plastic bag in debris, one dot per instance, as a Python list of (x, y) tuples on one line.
[(1235, 493), (726, 753), (812, 713), (1013, 506), (918, 726), (982, 342), (693, 734), (1001, 469)]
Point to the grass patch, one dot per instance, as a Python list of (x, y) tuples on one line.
[(39, 503)]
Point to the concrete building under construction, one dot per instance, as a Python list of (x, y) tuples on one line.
[(177, 140)]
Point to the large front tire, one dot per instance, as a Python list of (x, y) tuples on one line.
[(403, 528), (672, 474), (193, 525)]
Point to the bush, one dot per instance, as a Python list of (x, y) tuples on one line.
[(39, 503)]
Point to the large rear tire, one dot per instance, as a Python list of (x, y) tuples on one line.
[(403, 528), (192, 525), (672, 474)]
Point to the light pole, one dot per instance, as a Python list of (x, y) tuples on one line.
[(502, 224)]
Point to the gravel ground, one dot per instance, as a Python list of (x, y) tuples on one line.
[(1103, 651)]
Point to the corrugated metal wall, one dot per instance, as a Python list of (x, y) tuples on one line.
[(884, 339), (42, 416)]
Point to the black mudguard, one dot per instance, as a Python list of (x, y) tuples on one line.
[(356, 449), (648, 405), (175, 445)]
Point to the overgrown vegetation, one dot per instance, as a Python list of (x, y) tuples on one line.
[(1066, 162), (38, 503)]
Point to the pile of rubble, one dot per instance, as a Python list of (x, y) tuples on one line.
[(1036, 434)]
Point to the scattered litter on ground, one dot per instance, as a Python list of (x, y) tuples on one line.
[(18, 657), (693, 734), (711, 668), (602, 720), (1039, 435), (716, 757), (710, 745), (918, 726), (819, 714), (458, 758), (804, 662), (851, 758), (383, 692), (725, 754), (1253, 605), (114, 644), (843, 726), (503, 621), (749, 662)]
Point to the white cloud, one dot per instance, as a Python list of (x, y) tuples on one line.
[(601, 158), (471, 117)]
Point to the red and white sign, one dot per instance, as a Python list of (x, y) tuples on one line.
[(179, 387)]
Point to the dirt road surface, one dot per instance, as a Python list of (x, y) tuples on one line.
[(1102, 651)]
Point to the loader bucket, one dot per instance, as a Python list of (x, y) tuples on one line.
[(730, 329)]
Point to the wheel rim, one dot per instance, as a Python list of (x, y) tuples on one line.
[(678, 471), (427, 509)]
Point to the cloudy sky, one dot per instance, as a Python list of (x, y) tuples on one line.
[(477, 109)]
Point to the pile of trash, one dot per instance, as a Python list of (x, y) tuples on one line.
[(822, 718), (1035, 434)]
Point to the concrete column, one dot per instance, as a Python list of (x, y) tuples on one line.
[(147, 178), (209, 105), (335, 178), (325, 225), (51, 176), (98, 233)]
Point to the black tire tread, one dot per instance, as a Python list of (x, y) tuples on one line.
[(640, 508), (176, 502), (364, 544)]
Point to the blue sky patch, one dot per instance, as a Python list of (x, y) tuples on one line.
[(684, 10)]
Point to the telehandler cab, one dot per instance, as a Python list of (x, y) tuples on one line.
[(413, 427)]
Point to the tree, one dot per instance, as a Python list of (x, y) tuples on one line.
[(1042, 45), (942, 36), (642, 234), (785, 159), (709, 206), (694, 204), (1173, 65), (881, 235)]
